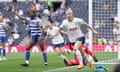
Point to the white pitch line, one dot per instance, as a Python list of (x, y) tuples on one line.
[(100, 62), (104, 62), (108, 60), (59, 69), (107, 63)]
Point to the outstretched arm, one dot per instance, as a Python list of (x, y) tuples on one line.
[(13, 11), (63, 32), (46, 38), (88, 26), (5, 26), (57, 32)]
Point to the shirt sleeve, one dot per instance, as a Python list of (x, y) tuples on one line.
[(80, 21), (56, 28), (40, 23), (62, 26), (114, 31), (48, 32)]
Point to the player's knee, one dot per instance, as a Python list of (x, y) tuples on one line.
[(42, 47), (62, 52), (75, 49), (27, 49)]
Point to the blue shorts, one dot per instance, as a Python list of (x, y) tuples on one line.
[(58, 45), (82, 39), (3, 39), (35, 38)]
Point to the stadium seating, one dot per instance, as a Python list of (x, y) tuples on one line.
[(80, 10)]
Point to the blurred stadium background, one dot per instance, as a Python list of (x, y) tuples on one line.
[(99, 13)]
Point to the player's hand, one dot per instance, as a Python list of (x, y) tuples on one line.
[(12, 8), (95, 32)]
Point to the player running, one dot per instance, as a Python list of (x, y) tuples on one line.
[(85, 48), (35, 26), (3, 29), (89, 54), (72, 27), (53, 32)]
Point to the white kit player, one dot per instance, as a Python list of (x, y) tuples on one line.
[(116, 30), (71, 26), (53, 32)]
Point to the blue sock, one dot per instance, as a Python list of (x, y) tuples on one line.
[(0, 51), (44, 57), (27, 55), (4, 53)]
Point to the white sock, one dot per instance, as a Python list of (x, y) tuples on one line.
[(63, 57), (78, 54), (89, 58), (27, 62)]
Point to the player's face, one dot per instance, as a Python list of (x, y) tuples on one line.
[(116, 25), (49, 24), (31, 14), (1, 18), (69, 16)]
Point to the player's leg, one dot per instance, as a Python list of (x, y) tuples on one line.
[(42, 43), (79, 52), (57, 49), (89, 56), (74, 61), (71, 46), (2, 48), (27, 54), (87, 51), (91, 61), (62, 52), (4, 52), (76, 46), (0, 52)]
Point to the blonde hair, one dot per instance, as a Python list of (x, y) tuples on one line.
[(69, 11)]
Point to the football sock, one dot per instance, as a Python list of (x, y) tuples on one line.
[(4, 53), (44, 57), (27, 57)]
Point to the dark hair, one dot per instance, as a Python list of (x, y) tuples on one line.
[(32, 12), (50, 19)]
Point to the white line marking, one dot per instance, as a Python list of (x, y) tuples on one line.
[(59, 69), (107, 62), (100, 62)]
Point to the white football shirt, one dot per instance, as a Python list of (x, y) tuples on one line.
[(117, 32), (73, 28), (58, 38)]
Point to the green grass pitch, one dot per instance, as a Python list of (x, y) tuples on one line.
[(55, 64)]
